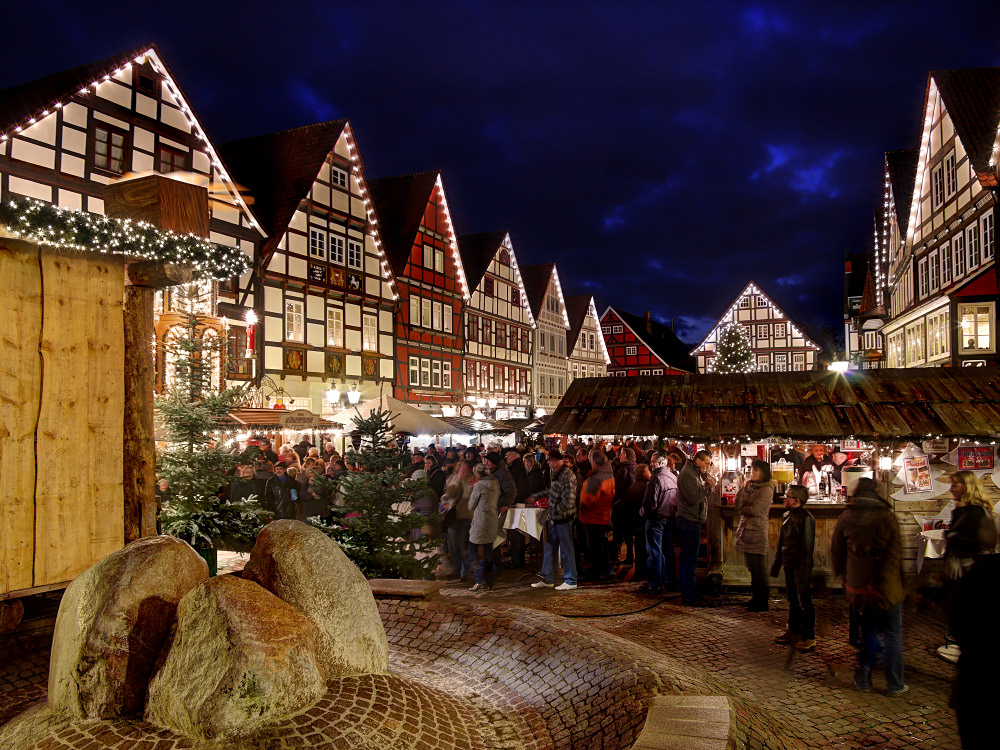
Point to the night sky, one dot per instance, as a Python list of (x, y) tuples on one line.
[(663, 154)]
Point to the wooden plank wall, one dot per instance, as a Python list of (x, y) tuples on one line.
[(79, 503), (20, 384)]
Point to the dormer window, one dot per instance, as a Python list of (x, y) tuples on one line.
[(504, 257), (146, 80)]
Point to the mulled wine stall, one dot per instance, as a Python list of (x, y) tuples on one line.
[(907, 428)]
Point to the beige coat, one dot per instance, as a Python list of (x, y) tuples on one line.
[(753, 504)]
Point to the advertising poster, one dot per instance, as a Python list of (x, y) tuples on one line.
[(917, 474), (935, 446), (975, 457)]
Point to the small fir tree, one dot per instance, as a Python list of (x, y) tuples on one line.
[(378, 526), (194, 465), (733, 353)]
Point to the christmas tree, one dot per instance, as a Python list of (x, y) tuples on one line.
[(194, 465), (378, 525), (733, 353)]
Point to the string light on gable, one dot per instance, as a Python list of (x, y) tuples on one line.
[(520, 282), (463, 284)]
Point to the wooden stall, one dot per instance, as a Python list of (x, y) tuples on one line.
[(886, 408)]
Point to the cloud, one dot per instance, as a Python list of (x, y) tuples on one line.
[(311, 101)]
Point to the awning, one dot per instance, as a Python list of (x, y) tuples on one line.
[(475, 426), (531, 424), (405, 418), (294, 420)]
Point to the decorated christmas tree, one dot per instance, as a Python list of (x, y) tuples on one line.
[(379, 526), (733, 353), (194, 465)]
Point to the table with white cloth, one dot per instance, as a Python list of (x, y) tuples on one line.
[(529, 520), (930, 543)]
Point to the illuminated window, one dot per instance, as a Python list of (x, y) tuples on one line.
[(446, 374), (629, 350), (414, 370), (294, 324), (369, 334), (977, 327), (448, 319), (335, 327), (439, 260)]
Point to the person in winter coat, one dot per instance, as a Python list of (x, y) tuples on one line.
[(596, 500), (753, 504), (534, 477), (485, 524), (436, 476), (659, 508), (796, 544), (561, 511), (247, 488), (621, 520), (281, 493), (867, 553), (972, 530), (694, 484), (515, 467), (458, 517), (633, 503)]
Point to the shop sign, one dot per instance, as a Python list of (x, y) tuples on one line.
[(935, 446), (975, 457), (503, 414), (299, 419)]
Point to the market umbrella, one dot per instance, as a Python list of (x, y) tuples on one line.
[(405, 418)]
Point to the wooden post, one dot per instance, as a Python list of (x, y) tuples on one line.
[(182, 208)]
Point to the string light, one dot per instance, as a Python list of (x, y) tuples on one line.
[(35, 220)]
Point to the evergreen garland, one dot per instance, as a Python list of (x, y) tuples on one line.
[(733, 352), (377, 522), (46, 224)]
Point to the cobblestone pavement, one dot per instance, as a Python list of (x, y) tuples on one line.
[(785, 699)]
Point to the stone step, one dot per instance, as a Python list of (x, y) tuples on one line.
[(688, 722)]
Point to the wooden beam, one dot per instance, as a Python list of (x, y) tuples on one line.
[(154, 274), (139, 465)]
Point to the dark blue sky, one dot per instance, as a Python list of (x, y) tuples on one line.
[(662, 153)]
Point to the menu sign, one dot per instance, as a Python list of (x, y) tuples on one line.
[(935, 446), (975, 457), (917, 474)]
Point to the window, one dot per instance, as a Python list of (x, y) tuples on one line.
[(977, 327), (760, 301), (170, 160), (435, 374), (606, 330), (573, 372), (335, 327), (744, 303), (336, 249), (439, 260), (593, 343), (146, 80), (561, 341), (762, 331), (934, 271), (798, 362), (109, 149), (617, 329), (446, 374), (972, 247), (353, 254), (658, 371), (425, 313), (629, 350), (428, 256), (425, 373), (916, 343), (562, 386), (414, 370), (950, 179), (937, 186), (986, 225), (436, 316), (487, 332), (958, 255), (293, 321), (448, 318), (317, 243), (781, 363), (504, 257), (515, 297), (415, 311), (763, 363), (779, 330), (644, 372), (922, 279), (938, 334), (552, 343), (945, 264), (369, 334), (338, 177), (488, 286), (541, 385), (472, 332), (552, 385)]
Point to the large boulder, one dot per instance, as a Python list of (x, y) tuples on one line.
[(239, 658), (112, 623), (307, 569)]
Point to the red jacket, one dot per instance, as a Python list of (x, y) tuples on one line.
[(597, 496)]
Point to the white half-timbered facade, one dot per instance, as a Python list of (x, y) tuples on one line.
[(499, 327), (942, 282), (777, 342), (324, 291), (551, 351), (588, 355), (66, 136)]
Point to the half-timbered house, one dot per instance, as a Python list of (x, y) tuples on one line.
[(777, 342), (548, 305), (323, 285), (588, 356), (642, 346), (424, 255), (942, 276), (499, 327), (64, 137)]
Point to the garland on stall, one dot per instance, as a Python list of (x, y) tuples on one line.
[(44, 223)]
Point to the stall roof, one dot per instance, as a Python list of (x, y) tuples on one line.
[(869, 404)]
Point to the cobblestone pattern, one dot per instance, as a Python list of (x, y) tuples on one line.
[(24, 671)]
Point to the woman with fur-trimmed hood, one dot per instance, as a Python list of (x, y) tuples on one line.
[(753, 504)]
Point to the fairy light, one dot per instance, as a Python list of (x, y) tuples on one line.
[(600, 332), (35, 220), (520, 282), (439, 186)]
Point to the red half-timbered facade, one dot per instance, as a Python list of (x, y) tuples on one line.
[(424, 255), (641, 346)]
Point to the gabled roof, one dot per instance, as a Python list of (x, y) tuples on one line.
[(754, 288), (478, 251), (400, 203), (536, 281), (972, 97), (855, 271), (280, 168), (870, 306), (22, 105), (577, 308), (660, 339), (902, 173)]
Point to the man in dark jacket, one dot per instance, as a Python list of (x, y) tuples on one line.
[(621, 520), (659, 508), (515, 466), (281, 493), (867, 553), (561, 511), (694, 485), (796, 544), (302, 448)]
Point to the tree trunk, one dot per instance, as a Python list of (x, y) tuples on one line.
[(137, 435)]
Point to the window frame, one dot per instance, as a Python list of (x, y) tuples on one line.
[(332, 313), (446, 374), (631, 351), (945, 259), (414, 368), (355, 252), (163, 149), (950, 176), (369, 332), (973, 251), (933, 272), (92, 150), (937, 186), (425, 312), (991, 313), (986, 247), (335, 247), (958, 255), (318, 237), (447, 318), (290, 332), (923, 280)]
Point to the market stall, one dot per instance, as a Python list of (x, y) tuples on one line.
[(909, 428)]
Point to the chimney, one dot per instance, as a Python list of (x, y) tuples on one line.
[(649, 323)]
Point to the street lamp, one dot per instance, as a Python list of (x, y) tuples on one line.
[(333, 394), (480, 402), (492, 402), (354, 395)]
